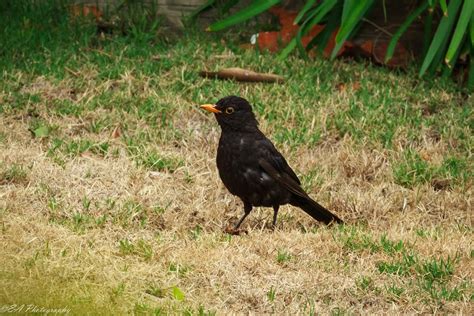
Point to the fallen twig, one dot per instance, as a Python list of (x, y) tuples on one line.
[(240, 74)]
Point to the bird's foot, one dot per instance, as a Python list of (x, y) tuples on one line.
[(231, 230)]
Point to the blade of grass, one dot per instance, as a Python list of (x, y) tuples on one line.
[(249, 12), (402, 29), (358, 10), (463, 21), (303, 11), (440, 39)]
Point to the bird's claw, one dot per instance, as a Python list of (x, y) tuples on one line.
[(235, 231)]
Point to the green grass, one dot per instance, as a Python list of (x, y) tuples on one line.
[(283, 256), (13, 174), (141, 249), (358, 239), (413, 170), (271, 294), (431, 278)]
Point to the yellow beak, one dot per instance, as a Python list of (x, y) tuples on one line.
[(210, 108)]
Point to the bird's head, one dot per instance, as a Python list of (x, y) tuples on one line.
[(233, 112)]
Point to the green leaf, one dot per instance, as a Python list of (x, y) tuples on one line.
[(302, 30), (440, 39), (444, 7), (322, 39), (42, 131), (463, 21), (346, 9), (465, 48), (249, 12), (437, 62), (427, 30), (287, 50), (303, 11), (472, 30), (357, 11), (316, 16), (402, 29), (178, 294)]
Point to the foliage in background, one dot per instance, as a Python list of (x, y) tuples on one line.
[(454, 34), (136, 17), (28, 29), (31, 27)]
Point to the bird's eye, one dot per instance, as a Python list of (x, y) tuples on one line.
[(229, 110)]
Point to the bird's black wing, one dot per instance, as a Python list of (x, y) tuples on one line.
[(282, 177), (273, 163)]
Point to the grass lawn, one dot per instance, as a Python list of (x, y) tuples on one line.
[(110, 198)]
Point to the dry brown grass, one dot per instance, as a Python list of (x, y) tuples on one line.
[(164, 230)]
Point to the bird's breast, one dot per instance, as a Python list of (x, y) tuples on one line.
[(240, 171)]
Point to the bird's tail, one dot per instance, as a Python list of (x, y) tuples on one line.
[(315, 210)]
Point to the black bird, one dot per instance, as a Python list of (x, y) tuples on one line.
[(252, 168)]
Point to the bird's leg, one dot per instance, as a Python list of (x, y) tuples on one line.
[(247, 209), (275, 215), (235, 230)]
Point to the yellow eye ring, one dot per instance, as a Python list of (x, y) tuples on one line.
[(229, 110)]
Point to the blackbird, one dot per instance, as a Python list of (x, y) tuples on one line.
[(252, 169)]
